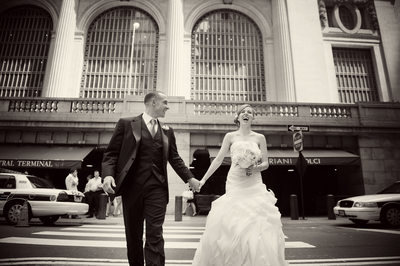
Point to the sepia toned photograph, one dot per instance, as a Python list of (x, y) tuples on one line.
[(200, 132)]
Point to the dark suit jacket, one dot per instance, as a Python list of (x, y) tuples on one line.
[(122, 150)]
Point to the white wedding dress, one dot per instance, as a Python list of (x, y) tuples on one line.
[(243, 227)]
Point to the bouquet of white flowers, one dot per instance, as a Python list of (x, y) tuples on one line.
[(245, 155)]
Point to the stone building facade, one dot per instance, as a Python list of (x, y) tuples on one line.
[(69, 69)]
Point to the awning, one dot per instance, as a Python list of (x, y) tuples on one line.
[(40, 156), (313, 157)]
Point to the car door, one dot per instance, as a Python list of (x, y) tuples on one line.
[(7, 185)]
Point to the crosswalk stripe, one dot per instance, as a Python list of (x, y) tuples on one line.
[(112, 235), (123, 227), (78, 261), (123, 230), (115, 244), (394, 260)]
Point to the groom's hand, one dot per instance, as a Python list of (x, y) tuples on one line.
[(195, 184), (108, 183)]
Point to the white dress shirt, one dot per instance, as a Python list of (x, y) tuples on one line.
[(71, 182), (147, 118), (94, 184)]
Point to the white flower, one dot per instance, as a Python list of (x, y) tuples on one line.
[(246, 155), (165, 127)]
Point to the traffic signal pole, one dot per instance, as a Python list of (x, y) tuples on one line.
[(301, 164)]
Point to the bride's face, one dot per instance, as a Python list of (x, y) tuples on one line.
[(246, 116)]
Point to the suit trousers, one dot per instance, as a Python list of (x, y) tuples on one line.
[(145, 202)]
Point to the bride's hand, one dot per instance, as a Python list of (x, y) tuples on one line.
[(249, 170), (201, 183)]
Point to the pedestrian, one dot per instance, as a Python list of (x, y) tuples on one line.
[(87, 183), (117, 206), (137, 157), (111, 203), (243, 226), (72, 181), (93, 189), (188, 197)]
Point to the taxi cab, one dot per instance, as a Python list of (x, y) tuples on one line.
[(43, 200), (383, 206)]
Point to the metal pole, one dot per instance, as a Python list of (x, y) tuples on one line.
[(330, 203), (294, 207), (178, 208), (302, 191), (136, 25)]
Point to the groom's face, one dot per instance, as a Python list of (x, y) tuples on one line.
[(160, 105)]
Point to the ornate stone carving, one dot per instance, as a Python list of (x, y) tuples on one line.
[(323, 16), (372, 14)]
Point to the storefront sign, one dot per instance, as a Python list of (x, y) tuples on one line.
[(281, 161), (34, 163), (292, 161)]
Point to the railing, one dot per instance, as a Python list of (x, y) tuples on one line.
[(330, 111), (229, 108), (93, 106), (39, 105), (356, 114), (33, 105)]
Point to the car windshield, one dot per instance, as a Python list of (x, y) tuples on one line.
[(38, 182), (393, 189)]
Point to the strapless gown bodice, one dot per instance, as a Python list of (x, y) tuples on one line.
[(237, 181)]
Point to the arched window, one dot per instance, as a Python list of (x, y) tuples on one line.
[(227, 58), (25, 34), (108, 71)]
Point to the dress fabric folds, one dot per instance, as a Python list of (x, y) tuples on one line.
[(243, 227)]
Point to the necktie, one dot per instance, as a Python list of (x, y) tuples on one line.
[(153, 127)]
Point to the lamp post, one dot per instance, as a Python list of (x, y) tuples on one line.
[(136, 25)]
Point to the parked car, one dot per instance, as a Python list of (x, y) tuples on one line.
[(43, 200), (383, 206)]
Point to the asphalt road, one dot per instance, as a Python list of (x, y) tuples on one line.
[(314, 241)]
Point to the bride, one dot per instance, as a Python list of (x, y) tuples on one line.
[(243, 227)]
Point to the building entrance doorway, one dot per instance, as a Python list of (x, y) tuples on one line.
[(318, 182)]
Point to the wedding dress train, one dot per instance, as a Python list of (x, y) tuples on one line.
[(243, 227)]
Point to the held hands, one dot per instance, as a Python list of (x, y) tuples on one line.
[(108, 183), (202, 183), (195, 184)]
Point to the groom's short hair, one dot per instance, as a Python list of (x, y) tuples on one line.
[(149, 96)]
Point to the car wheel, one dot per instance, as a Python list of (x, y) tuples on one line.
[(13, 210), (390, 216), (49, 220), (359, 222)]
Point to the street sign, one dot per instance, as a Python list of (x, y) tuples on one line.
[(298, 128), (298, 141)]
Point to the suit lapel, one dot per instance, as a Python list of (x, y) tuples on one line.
[(165, 143), (136, 125)]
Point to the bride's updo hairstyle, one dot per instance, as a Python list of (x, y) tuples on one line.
[(239, 110)]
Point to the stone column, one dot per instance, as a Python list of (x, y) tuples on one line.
[(58, 83), (175, 47), (283, 54)]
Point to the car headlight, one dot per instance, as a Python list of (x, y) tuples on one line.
[(53, 198), (365, 204)]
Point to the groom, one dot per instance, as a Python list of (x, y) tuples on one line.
[(135, 163)]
